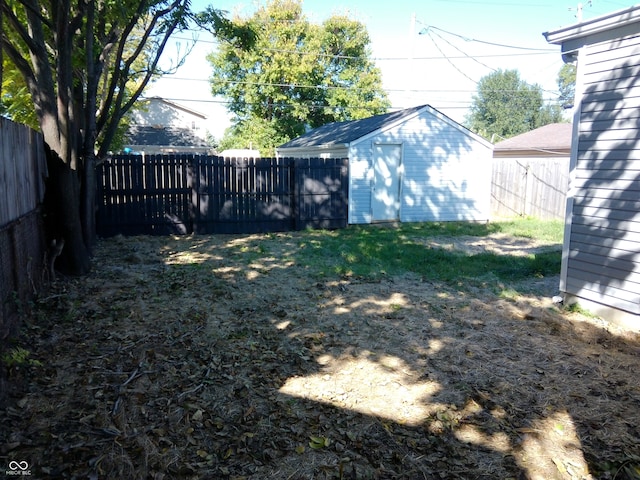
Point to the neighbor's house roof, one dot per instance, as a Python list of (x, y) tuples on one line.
[(343, 133), (151, 135), (552, 139), (163, 139)]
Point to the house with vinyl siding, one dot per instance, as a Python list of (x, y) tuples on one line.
[(601, 254), (410, 165), (160, 126)]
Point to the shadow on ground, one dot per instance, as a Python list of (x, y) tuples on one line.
[(223, 357)]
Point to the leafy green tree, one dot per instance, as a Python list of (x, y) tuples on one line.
[(567, 84), (16, 101), (256, 133), (84, 65), (299, 75), (506, 106)]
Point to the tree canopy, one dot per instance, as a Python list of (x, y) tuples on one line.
[(84, 64), (505, 106), (567, 84), (299, 75)]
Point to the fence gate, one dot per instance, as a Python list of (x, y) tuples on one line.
[(163, 194), (534, 187)]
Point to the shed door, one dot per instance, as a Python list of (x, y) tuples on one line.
[(385, 193)]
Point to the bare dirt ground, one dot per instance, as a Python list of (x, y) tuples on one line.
[(220, 357)]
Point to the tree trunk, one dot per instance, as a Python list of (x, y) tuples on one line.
[(62, 216), (88, 210)]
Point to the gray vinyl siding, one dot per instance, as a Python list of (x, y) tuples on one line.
[(445, 172), (603, 260)]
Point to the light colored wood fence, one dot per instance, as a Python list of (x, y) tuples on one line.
[(534, 187), (23, 169)]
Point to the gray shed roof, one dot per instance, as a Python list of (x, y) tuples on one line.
[(340, 133)]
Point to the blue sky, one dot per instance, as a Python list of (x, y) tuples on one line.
[(454, 44)]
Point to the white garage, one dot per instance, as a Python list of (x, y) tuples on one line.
[(411, 165)]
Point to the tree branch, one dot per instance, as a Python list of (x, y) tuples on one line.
[(117, 106)]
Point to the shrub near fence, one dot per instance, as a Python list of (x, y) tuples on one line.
[(162, 194)]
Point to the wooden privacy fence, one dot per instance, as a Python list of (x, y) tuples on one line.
[(162, 194), (23, 169), (535, 187)]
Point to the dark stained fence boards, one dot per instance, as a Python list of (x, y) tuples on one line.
[(321, 193), (144, 195), (23, 169), (182, 194), (242, 195)]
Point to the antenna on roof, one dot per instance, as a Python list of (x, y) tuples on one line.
[(579, 9)]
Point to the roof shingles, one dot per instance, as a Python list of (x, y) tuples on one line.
[(340, 133), (555, 136)]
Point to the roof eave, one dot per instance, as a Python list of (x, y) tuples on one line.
[(324, 146), (594, 26), (532, 152)]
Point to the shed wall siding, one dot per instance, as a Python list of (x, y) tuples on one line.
[(603, 261), (445, 173)]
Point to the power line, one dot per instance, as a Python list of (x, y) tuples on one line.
[(438, 105), (467, 56), (467, 39), (322, 87), (501, 4), (532, 51), (449, 60)]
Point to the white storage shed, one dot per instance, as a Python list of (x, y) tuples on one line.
[(411, 165)]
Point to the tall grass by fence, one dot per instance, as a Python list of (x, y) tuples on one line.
[(535, 187), (23, 169), (160, 194)]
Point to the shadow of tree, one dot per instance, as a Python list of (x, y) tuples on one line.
[(232, 360), (444, 174), (602, 259)]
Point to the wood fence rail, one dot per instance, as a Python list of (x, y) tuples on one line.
[(161, 194)]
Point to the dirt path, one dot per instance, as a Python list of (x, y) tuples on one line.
[(220, 357)]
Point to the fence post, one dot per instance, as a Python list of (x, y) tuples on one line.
[(295, 192)]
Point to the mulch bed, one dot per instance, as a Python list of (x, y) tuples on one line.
[(221, 357)]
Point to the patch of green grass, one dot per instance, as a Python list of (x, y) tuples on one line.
[(509, 294), (18, 357), (551, 231), (372, 252), (577, 308)]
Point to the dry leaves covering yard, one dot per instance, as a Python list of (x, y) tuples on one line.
[(221, 357)]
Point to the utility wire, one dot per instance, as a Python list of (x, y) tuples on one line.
[(414, 90), (466, 56), (352, 57), (321, 87), (467, 39), (447, 58)]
